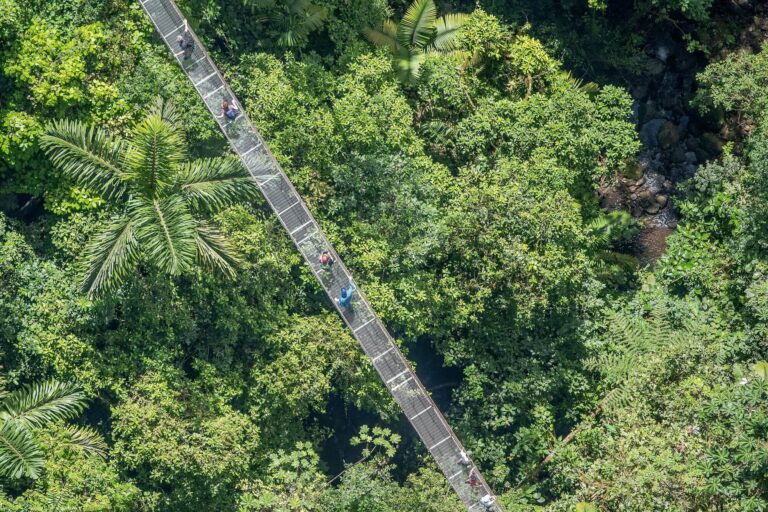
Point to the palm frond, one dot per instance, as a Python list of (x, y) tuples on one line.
[(293, 20), (214, 183), (389, 27), (156, 148), (600, 229), (314, 16), (42, 403), (84, 439), (109, 256), (447, 28), (164, 109), (290, 39), (88, 155), (386, 37), (20, 453), (56, 496), (408, 65), (417, 28), (214, 250), (166, 230)]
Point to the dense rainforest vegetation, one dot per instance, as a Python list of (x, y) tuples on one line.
[(558, 207)]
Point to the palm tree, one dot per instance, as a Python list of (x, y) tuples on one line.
[(418, 33), (163, 199), (291, 20), (33, 407)]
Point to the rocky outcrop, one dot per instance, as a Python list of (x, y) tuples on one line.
[(676, 140)]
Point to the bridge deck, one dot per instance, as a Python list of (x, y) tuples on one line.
[(309, 238)]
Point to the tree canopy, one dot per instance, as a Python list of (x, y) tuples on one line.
[(556, 207)]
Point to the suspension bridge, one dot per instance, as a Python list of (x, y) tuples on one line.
[(394, 370)]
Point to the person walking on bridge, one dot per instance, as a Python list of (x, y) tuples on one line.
[(186, 41), (345, 297), (472, 479), (229, 110), (326, 260)]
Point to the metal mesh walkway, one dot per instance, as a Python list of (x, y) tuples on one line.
[(365, 325)]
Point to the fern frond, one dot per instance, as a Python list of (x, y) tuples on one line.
[(618, 398)]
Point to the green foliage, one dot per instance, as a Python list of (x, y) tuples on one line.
[(714, 195), (518, 62), (10, 19), (18, 139), (760, 369), (643, 449), (292, 483), (163, 197), (697, 10), (187, 447), (734, 84), (573, 125), (23, 412), (376, 439), (418, 33), (465, 206), (735, 462), (633, 342), (61, 86), (290, 22), (312, 357)]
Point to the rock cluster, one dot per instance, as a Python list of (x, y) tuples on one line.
[(676, 138)]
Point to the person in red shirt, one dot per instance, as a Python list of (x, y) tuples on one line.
[(326, 259)]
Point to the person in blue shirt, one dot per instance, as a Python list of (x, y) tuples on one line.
[(345, 297)]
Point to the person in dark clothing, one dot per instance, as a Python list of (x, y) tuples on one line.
[(186, 41), (345, 297)]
